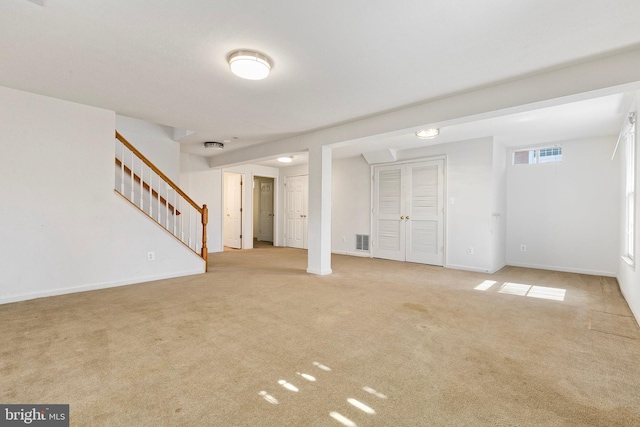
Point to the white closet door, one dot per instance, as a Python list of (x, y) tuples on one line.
[(296, 211), (408, 212), (388, 216), (425, 213), (233, 210)]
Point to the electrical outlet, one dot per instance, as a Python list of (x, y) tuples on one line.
[(151, 256), (523, 248), (469, 250)]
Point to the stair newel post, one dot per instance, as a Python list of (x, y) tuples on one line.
[(205, 220)]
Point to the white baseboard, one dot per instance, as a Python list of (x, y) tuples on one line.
[(496, 269), (636, 315), (360, 254), (564, 269), (319, 272), (467, 268), (95, 286)]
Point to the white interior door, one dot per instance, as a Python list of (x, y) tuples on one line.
[(265, 232), (408, 212), (425, 213), (388, 213), (233, 210), (296, 211)]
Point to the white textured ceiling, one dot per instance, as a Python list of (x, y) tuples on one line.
[(334, 61)]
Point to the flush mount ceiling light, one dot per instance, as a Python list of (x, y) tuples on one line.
[(428, 133), (249, 64), (288, 159), (213, 144)]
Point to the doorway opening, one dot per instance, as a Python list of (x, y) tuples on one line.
[(263, 211)]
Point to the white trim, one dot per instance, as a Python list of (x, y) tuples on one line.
[(276, 205), (496, 269), (635, 314), (467, 268), (96, 286), (564, 269), (445, 204), (361, 254), (629, 262), (325, 272)]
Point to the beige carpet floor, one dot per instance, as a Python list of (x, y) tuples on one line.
[(258, 342)]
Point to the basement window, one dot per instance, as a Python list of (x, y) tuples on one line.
[(538, 155)]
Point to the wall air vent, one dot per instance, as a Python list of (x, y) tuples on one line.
[(214, 145), (362, 242)]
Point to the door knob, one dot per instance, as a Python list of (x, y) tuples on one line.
[(407, 216), (402, 217)]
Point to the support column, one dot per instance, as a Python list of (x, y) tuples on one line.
[(319, 224)]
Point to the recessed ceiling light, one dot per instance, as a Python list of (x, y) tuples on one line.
[(249, 64), (428, 133), (285, 159), (214, 144)]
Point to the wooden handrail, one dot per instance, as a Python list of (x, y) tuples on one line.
[(158, 171), (203, 211), (147, 187)]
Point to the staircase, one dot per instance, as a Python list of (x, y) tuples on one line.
[(142, 184)]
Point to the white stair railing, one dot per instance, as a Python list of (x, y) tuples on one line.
[(141, 183)]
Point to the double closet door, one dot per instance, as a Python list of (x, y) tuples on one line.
[(408, 212)]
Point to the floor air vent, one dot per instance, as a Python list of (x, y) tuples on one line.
[(362, 242)]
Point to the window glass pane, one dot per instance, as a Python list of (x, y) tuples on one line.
[(548, 155)]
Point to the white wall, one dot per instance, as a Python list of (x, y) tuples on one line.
[(350, 204), (499, 207), (64, 229), (154, 141), (628, 276), (470, 181), (469, 170), (205, 188), (248, 172), (566, 213)]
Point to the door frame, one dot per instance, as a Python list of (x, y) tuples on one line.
[(276, 208), (445, 197), (247, 206), (242, 206), (274, 195)]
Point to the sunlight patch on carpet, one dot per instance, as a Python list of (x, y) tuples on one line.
[(288, 386), (266, 396), (364, 408), (342, 419), (486, 285), (524, 290)]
